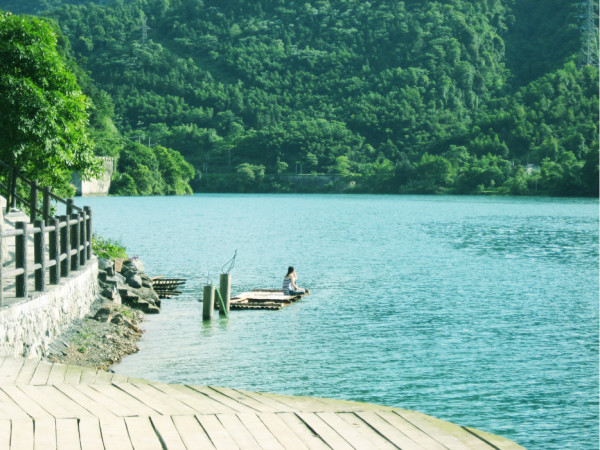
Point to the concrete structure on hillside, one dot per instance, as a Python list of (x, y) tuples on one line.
[(96, 186)]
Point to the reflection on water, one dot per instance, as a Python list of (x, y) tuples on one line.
[(480, 311)]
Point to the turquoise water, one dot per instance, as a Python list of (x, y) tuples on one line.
[(480, 311)]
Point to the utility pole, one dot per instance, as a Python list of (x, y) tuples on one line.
[(588, 54)]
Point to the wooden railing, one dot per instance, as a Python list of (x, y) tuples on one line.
[(61, 244)]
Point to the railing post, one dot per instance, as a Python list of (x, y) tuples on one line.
[(39, 255), (33, 200), (88, 233), (65, 247), (54, 247), (21, 259), (69, 207), (13, 189), (82, 236), (75, 241), (46, 207), (1, 270)]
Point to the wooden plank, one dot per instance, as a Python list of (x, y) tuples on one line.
[(497, 441), (123, 399), (88, 375), (191, 432), (281, 431), (218, 435), (259, 431), (67, 434), (325, 432), (446, 433), (142, 433), (308, 436), (55, 402), (351, 434), (9, 409), (174, 406), (27, 371), (112, 405), (103, 377), (168, 434), (21, 434), (42, 371), (114, 433), (25, 403), (57, 374), (44, 434), (89, 434), (154, 402), (73, 375), (271, 401), (237, 430), (241, 397), (10, 370), (75, 394), (233, 405), (197, 401), (391, 433), (357, 423), (297, 403), (410, 430), (5, 426), (118, 378)]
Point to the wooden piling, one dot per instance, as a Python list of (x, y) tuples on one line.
[(208, 302), (225, 290)]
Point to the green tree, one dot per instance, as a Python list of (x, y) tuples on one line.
[(44, 118)]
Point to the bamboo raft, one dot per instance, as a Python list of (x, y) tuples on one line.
[(167, 287), (273, 299)]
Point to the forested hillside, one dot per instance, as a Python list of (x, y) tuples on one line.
[(446, 96)]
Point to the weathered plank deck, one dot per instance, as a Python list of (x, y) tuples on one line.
[(53, 406), (263, 299)]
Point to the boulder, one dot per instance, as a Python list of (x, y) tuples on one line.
[(118, 319), (135, 281), (103, 314), (112, 293), (105, 263)]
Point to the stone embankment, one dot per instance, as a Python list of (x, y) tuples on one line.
[(112, 328)]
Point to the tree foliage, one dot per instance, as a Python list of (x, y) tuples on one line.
[(44, 120), (448, 96)]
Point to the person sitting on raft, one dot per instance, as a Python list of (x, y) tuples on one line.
[(289, 284)]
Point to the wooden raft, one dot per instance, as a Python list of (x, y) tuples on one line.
[(263, 299), (167, 287), (54, 406)]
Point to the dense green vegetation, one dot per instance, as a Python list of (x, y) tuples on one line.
[(446, 96)]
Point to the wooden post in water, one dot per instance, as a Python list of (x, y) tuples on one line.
[(208, 302), (225, 290)]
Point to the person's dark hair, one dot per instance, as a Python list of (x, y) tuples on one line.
[(290, 270)]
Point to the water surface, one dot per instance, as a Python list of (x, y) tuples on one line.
[(480, 311)]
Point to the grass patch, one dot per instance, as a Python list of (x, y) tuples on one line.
[(108, 248)]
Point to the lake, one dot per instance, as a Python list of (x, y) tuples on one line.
[(477, 310)]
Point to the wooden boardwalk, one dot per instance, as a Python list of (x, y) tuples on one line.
[(54, 406)]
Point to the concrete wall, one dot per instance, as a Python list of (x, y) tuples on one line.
[(96, 186), (28, 327)]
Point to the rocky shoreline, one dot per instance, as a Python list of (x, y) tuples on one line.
[(112, 329)]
